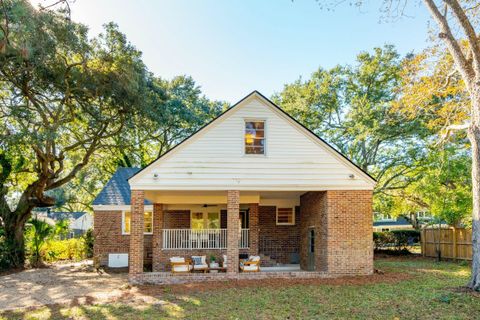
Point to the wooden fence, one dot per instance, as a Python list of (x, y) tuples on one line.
[(454, 243)]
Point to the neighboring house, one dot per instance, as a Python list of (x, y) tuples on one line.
[(252, 181), (385, 222), (389, 224), (78, 221)]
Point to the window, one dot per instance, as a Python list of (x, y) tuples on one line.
[(285, 216), (254, 137), (147, 222), (205, 220)]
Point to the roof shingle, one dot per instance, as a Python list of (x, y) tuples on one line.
[(117, 190)]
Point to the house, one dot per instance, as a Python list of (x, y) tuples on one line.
[(383, 223), (79, 222), (251, 182)]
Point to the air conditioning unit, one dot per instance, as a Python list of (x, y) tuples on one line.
[(117, 260)]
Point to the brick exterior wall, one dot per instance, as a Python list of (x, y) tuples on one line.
[(109, 238), (135, 258), (278, 242), (177, 219), (342, 221)]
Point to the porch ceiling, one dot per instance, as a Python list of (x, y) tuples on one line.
[(218, 197)]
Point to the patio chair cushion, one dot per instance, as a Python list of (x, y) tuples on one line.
[(177, 259), (199, 260), (182, 268), (250, 268), (224, 260), (254, 258)]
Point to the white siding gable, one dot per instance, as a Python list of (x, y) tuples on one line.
[(214, 159)]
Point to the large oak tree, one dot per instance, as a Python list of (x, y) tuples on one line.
[(62, 97)]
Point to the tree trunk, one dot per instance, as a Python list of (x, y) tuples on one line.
[(474, 136), (14, 250), (14, 226)]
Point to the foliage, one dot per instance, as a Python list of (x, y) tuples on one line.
[(397, 240), (443, 187), (63, 96), (433, 89), (88, 240), (69, 249), (38, 231), (353, 107)]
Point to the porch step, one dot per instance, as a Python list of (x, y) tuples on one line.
[(267, 261)]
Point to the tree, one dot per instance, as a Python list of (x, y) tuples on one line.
[(62, 97), (38, 232), (457, 22), (442, 187), (353, 107)]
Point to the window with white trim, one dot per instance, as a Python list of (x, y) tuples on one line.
[(286, 216), (255, 137), (147, 222), (205, 220)]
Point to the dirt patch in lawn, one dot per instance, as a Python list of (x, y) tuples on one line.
[(390, 277), (60, 283)]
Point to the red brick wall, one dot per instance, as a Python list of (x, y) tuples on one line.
[(109, 237), (177, 219), (278, 242), (343, 224), (313, 207)]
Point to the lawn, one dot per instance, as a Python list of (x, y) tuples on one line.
[(413, 288)]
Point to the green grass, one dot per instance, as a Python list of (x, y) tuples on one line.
[(429, 292)]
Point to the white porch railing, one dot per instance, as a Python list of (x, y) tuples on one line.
[(200, 239), (244, 239)]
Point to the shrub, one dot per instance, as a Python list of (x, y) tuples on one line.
[(398, 240), (88, 240), (70, 249)]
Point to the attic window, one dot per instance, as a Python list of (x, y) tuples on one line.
[(255, 137)]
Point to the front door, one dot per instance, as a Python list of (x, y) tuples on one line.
[(311, 250)]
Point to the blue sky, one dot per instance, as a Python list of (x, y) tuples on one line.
[(231, 47)]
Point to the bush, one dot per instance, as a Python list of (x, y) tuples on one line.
[(89, 240), (70, 249), (398, 240)]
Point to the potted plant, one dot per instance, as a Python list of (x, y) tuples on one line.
[(213, 263)]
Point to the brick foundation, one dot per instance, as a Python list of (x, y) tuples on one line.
[(169, 278)]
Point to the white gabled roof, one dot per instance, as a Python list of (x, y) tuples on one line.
[(213, 159)]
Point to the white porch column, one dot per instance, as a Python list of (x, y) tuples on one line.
[(233, 229)]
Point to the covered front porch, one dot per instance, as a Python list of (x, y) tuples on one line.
[(287, 230)]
